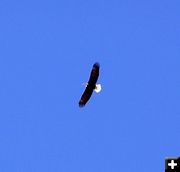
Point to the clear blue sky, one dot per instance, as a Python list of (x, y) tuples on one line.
[(47, 49)]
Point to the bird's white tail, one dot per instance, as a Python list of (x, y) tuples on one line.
[(97, 88), (85, 84)]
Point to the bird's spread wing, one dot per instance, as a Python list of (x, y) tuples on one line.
[(91, 85), (86, 96), (94, 74)]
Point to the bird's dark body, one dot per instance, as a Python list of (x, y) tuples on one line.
[(91, 85)]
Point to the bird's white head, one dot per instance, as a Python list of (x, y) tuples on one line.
[(97, 88)]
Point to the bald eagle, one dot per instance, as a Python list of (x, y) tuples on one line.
[(91, 85)]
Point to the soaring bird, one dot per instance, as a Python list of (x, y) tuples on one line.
[(91, 85)]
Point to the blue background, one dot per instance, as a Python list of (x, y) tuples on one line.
[(47, 49)]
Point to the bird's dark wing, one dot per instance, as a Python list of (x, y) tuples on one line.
[(94, 74), (91, 85), (86, 96)]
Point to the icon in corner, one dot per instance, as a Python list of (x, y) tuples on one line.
[(172, 164)]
